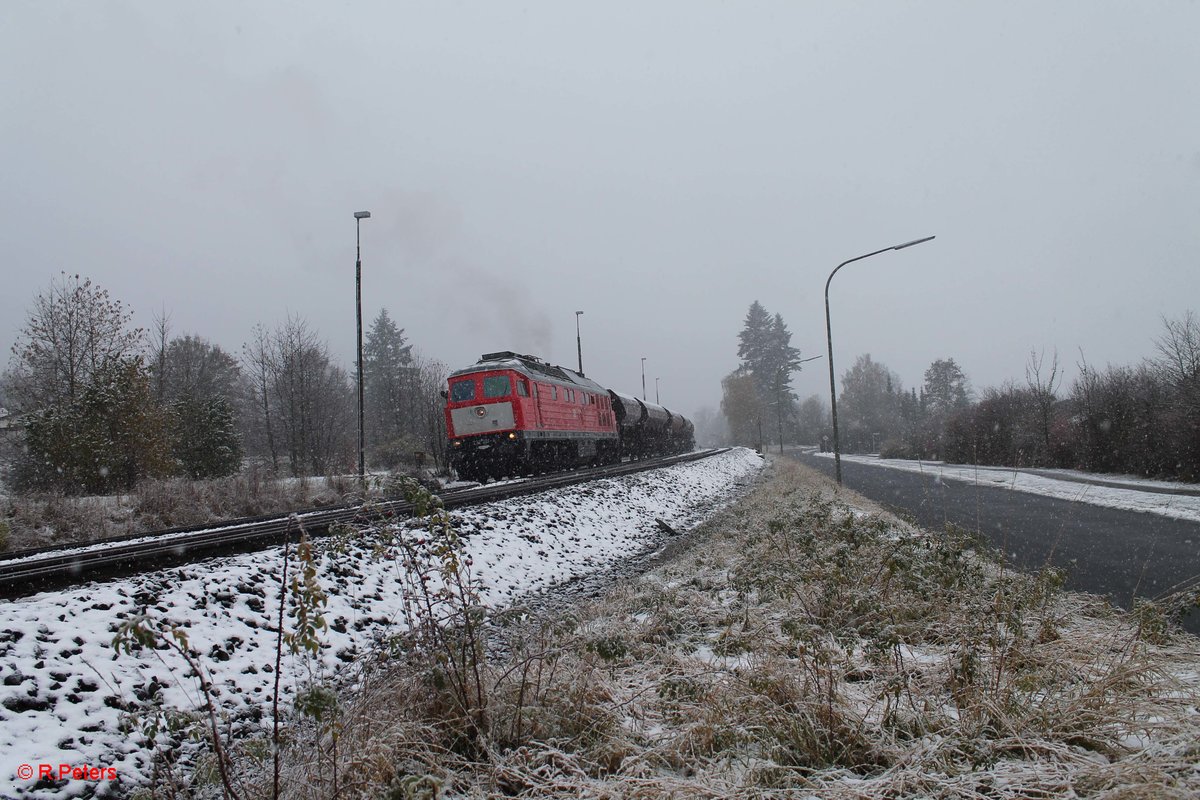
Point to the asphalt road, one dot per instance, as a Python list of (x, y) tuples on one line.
[(1120, 554)]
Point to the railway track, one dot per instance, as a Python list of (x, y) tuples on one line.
[(31, 571)]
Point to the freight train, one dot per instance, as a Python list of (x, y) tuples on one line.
[(511, 414)]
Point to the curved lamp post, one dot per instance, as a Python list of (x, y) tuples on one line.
[(837, 452)]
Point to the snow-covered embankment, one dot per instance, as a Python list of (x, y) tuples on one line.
[(63, 688)]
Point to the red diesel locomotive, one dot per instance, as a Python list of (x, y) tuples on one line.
[(512, 414)]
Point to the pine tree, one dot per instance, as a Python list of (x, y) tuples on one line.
[(769, 360), (754, 342), (204, 436), (391, 388)]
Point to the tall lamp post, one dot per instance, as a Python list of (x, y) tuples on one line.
[(578, 341), (656, 400), (643, 377), (837, 452), (359, 216)]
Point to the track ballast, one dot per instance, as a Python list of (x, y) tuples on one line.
[(31, 571)]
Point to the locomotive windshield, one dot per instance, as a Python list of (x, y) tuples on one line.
[(497, 386), (462, 391)]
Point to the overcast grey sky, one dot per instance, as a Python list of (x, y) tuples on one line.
[(657, 165)]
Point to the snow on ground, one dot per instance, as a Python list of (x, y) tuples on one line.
[(62, 686), (1127, 499)]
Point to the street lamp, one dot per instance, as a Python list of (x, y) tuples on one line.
[(779, 406), (837, 453), (643, 377), (656, 392), (578, 341), (359, 216)]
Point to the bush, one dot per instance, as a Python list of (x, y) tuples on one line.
[(110, 438), (204, 439), (898, 448)]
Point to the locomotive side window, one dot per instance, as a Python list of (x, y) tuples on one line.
[(462, 391), (497, 386), (522, 388), (555, 390)]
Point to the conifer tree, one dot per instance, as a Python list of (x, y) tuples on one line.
[(754, 342), (391, 385), (768, 362)]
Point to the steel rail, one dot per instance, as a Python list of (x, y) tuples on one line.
[(28, 572)]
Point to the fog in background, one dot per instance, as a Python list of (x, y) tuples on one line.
[(658, 166)]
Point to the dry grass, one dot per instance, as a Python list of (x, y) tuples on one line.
[(796, 649), (39, 520)]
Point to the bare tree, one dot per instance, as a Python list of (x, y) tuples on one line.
[(814, 419), (259, 369), (307, 399), (742, 407), (73, 330), (1043, 381), (429, 380), (159, 337), (191, 366), (1179, 367), (1179, 349)]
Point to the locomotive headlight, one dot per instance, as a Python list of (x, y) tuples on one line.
[(458, 442), (512, 436)]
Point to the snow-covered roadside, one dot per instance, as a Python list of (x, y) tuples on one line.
[(61, 680), (1131, 499)]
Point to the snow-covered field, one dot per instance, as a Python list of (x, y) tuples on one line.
[(1132, 498), (62, 686)]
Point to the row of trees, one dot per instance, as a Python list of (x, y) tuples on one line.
[(875, 411), (104, 404), (1142, 419)]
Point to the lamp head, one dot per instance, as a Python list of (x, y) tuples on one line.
[(915, 241), (362, 214)]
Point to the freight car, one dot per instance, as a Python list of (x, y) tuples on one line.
[(511, 414)]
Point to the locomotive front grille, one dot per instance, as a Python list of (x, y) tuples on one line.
[(485, 418)]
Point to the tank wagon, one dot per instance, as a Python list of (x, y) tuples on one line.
[(511, 414)]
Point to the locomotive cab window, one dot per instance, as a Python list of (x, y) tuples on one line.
[(462, 391), (497, 386), (522, 388)]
